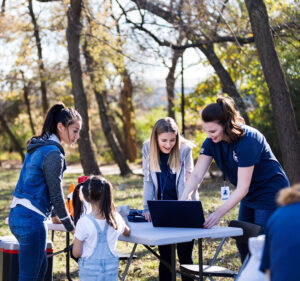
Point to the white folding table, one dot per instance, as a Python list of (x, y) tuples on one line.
[(144, 233)]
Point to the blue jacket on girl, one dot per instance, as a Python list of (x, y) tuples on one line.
[(38, 182)]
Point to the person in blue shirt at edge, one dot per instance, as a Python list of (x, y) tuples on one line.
[(281, 257), (246, 160), (167, 163), (39, 188)]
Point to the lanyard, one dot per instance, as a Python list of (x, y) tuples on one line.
[(162, 187)]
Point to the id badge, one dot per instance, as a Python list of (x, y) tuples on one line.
[(225, 192)]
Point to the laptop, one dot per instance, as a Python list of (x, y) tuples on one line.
[(175, 213)]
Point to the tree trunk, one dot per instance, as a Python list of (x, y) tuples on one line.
[(116, 131), (225, 78), (170, 81), (87, 154), (27, 103), (117, 153), (3, 8), (285, 121), (128, 117), (41, 67), (100, 97), (13, 139)]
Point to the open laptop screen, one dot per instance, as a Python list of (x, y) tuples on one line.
[(175, 213)]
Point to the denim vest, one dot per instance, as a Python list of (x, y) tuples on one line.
[(102, 265), (32, 184)]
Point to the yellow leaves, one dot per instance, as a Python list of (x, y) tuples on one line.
[(9, 95)]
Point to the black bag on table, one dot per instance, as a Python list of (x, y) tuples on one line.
[(136, 216)]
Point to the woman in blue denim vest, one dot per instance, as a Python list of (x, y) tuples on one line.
[(167, 164), (97, 233), (39, 189)]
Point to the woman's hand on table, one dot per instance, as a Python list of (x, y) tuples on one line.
[(212, 220), (147, 215)]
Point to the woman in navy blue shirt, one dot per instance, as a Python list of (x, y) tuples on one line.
[(246, 160)]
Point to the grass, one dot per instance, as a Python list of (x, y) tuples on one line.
[(129, 191)]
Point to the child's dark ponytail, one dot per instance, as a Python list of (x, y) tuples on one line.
[(97, 190), (78, 205), (58, 113)]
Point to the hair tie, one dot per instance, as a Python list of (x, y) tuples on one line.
[(81, 196)]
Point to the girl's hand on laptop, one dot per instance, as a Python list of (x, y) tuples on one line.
[(147, 215), (212, 220)]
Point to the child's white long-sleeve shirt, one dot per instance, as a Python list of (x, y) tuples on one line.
[(86, 232)]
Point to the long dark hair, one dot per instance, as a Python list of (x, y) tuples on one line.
[(78, 206), (224, 112), (95, 190), (58, 113)]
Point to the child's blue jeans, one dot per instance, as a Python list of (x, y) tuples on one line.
[(29, 229)]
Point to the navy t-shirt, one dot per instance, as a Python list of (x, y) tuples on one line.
[(252, 149), (166, 179), (282, 244)]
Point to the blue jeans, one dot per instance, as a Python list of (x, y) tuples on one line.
[(256, 216), (31, 232)]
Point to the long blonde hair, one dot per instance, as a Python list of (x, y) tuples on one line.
[(165, 125), (289, 195)]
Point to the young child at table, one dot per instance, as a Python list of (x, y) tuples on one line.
[(96, 233)]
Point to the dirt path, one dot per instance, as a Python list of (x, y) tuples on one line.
[(105, 169)]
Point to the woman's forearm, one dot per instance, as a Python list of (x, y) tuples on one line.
[(191, 185), (244, 180), (197, 176), (233, 200)]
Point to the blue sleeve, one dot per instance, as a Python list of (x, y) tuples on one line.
[(249, 150), (207, 148)]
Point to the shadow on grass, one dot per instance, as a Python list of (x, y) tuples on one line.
[(62, 276)]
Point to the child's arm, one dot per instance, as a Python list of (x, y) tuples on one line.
[(126, 231), (77, 248)]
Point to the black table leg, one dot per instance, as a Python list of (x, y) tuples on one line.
[(200, 258), (173, 262), (129, 262), (68, 256)]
